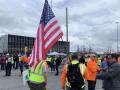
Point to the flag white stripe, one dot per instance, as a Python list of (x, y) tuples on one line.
[(50, 22), (40, 43), (33, 54), (52, 38), (35, 60), (51, 30), (31, 57)]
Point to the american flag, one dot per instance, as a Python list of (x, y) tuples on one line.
[(49, 32)]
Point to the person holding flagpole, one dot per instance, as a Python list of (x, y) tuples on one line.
[(38, 77), (48, 33)]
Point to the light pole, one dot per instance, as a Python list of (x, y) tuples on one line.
[(117, 23)]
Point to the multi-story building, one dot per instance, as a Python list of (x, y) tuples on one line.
[(15, 43)]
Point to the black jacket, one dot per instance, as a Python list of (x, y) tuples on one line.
[(111, 78)]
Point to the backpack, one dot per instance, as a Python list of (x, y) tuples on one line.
[(75, 77)]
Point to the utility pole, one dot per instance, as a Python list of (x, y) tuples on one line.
[(66, 24), (67, 30), (117, 23), (51, 4)]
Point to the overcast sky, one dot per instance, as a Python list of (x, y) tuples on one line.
[(91, 22)]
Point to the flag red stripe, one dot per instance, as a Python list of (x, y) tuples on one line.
[(54, 41), (52, 33), (51, 25), (43, 47)]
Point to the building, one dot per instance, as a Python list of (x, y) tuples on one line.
[(15, 43)]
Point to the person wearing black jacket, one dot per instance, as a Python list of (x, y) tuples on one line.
[(111, 78), (16, 61), (57, 63)]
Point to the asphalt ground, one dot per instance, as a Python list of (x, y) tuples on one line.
[(14, 82)]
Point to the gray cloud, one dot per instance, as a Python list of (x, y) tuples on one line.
[(91, 22)]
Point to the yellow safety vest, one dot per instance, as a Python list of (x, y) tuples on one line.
[(49, 59), (36, 76), (99, 61)]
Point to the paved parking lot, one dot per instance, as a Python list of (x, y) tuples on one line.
[(14, 82)]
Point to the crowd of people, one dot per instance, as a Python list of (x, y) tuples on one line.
[(108, 70), (12, 61), (76, 71), (54, 62), (79, 72)]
